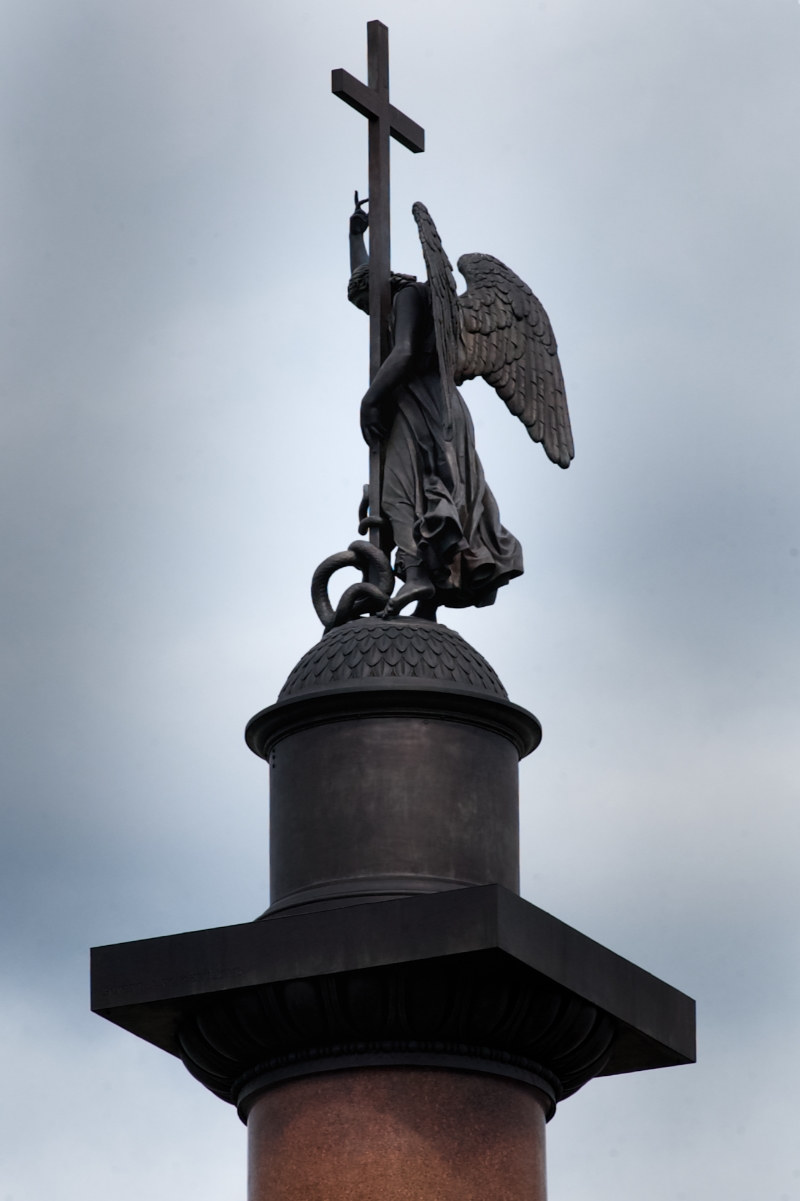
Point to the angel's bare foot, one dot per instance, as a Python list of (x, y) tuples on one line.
[(418, 587)]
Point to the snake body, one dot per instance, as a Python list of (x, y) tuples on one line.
[(362, 597)]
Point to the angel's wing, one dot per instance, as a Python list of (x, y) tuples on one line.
[(444, 299), (506, 336)]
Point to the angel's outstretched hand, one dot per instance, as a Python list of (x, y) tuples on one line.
[(359, 220)]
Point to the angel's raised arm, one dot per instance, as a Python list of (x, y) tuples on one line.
[(359, 221)]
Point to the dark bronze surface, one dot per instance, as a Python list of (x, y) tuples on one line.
[(371, 594), (424, 340), (500, 331), (396, 941), (476, 1012), (149, 987), (389, 698), (435, 505), (385, 122), (399, 650), (393, 757), (390, 805)]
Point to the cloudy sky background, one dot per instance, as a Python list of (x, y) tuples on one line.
[(180, 378)]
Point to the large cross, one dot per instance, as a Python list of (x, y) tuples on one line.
[(385, 122)]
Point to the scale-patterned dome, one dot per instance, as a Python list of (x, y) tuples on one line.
[(368, 648)]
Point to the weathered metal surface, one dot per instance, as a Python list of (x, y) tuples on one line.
[(391, 805), (385, 122), (473, 1013), (392, 697), (400, 650), (393, 751), (150, 987)]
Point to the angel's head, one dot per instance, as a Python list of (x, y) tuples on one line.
[(358, 286)]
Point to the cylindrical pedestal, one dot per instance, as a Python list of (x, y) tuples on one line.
[(398, 1134), (389, 805), (393, 756)]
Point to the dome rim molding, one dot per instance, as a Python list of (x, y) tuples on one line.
[(392, 696)]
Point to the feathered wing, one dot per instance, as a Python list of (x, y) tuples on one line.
[(444, 299), (506, 336)]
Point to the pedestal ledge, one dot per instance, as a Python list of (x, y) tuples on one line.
[(392, 697), (474, 979)]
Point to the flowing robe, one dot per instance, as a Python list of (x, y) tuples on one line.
[(443, 514)]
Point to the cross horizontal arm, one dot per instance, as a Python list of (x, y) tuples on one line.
[(365, 101), (407, 132), (355, 93)]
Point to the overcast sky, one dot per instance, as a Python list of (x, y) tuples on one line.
[(180, 376)]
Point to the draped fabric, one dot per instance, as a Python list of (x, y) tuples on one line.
[(442, 512)]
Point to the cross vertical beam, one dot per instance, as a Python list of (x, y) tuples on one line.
[(385, 122), (380, 292)]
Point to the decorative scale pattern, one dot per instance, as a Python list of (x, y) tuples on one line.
[(369, 648)]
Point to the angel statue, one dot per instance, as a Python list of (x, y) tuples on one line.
[(452, 549)]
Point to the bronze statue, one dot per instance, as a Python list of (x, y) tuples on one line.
[(451, 547), (427, 496), (435, 505)]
